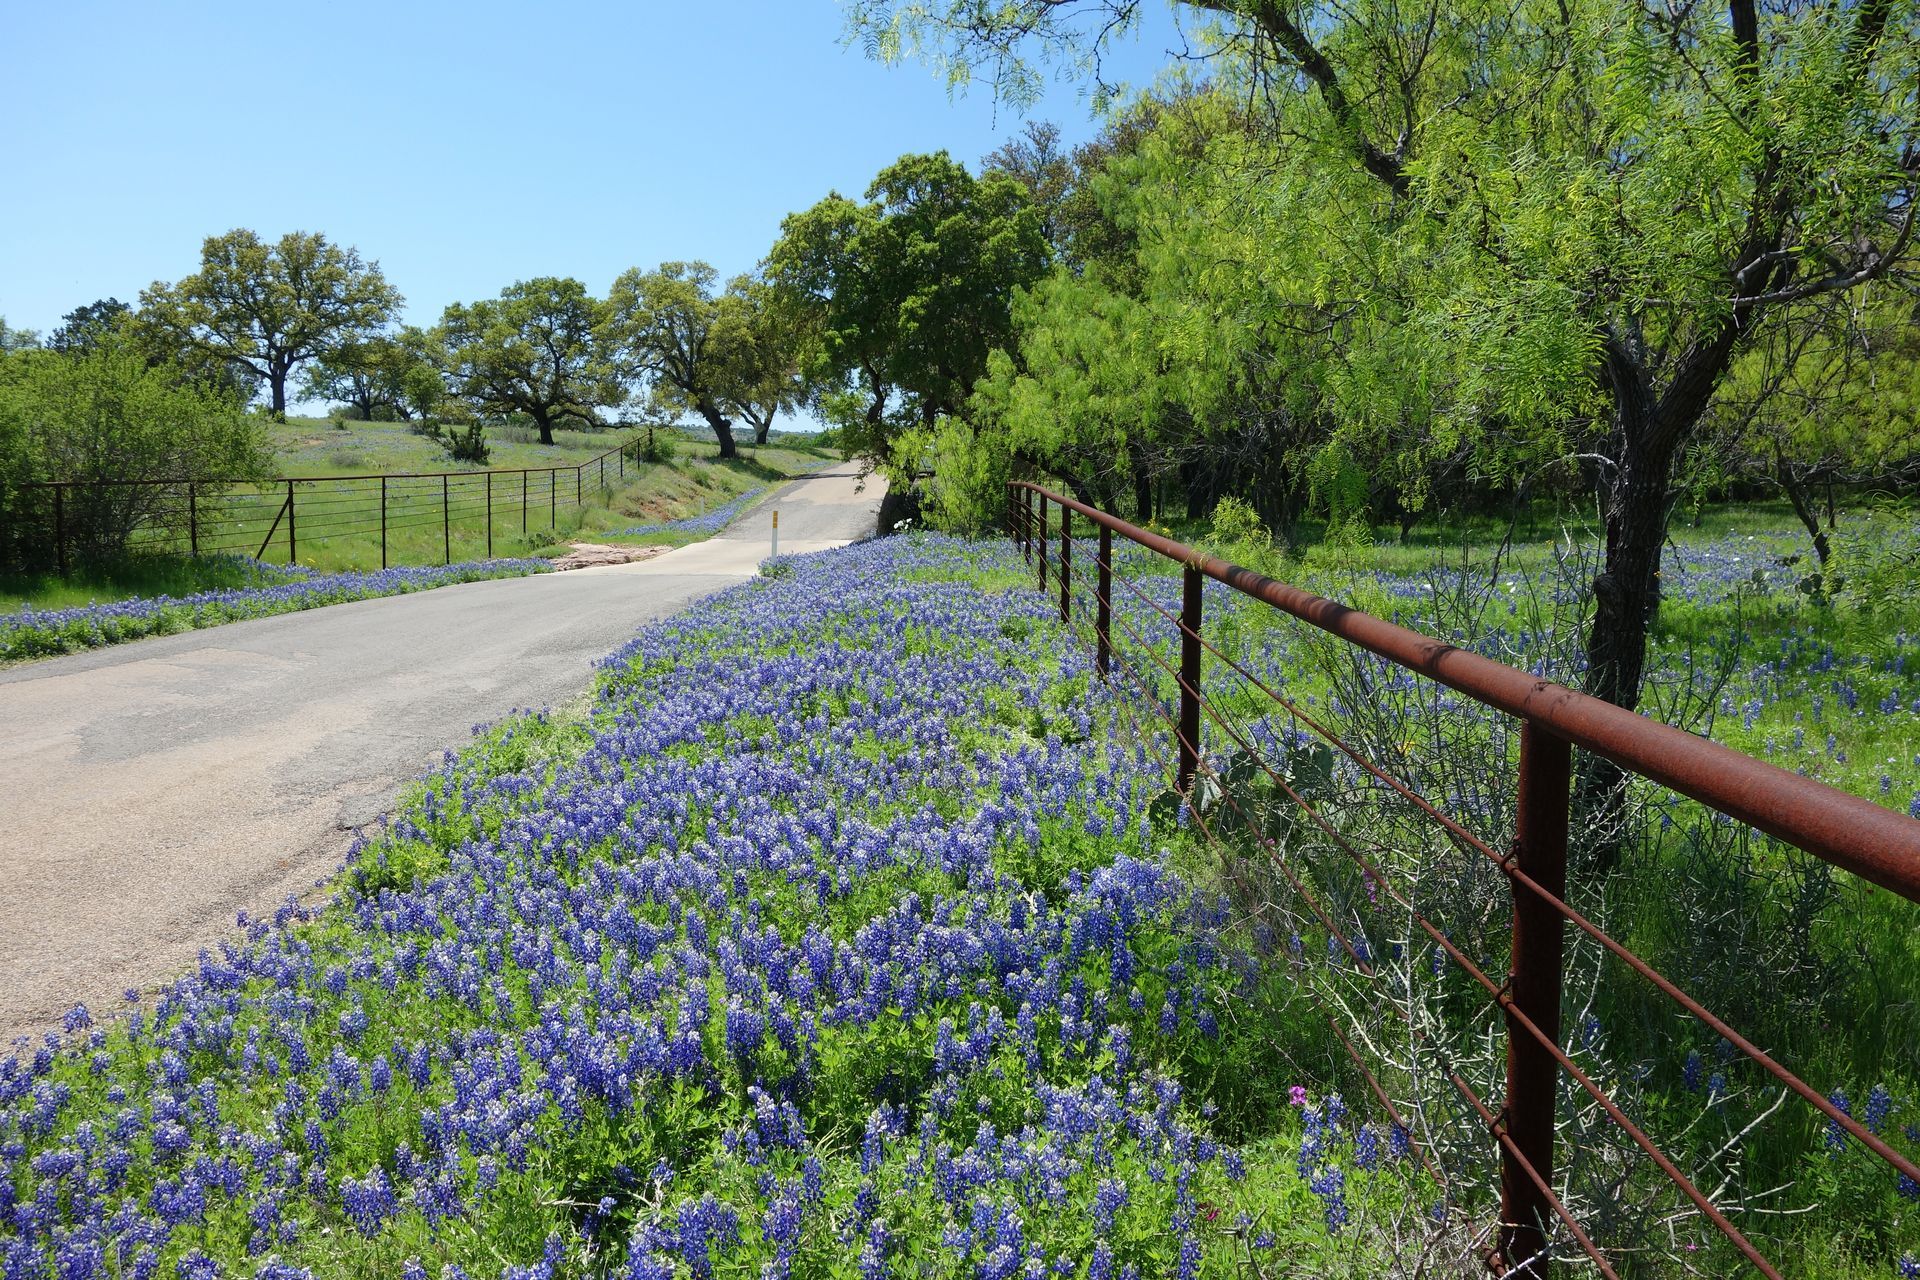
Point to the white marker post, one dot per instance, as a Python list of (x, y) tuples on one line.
[(776, 533)]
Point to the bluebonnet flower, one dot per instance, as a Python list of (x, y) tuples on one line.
[(1879, 1107), (30, 632), (369, 1201), (873, 1252), (1836, 1137), (1329, 1183)]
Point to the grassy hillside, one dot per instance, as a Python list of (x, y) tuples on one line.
[(338, 524)]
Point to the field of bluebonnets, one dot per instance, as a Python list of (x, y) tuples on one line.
[(256, 590), (838, 938), (852, 932)]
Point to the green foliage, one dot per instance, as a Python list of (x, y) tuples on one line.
[(1237, 525), (909, 293), (534, 350), (1535, 230), (698, 351), (12, 340), (1873, 572), (104, 413), (86, 327), (1338, 487), (270, 307), (381, 375), (463, 444)]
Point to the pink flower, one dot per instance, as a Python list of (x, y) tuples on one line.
[(1297, 1096)]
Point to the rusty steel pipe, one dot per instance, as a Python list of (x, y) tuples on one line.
[(1534, 981), (1066, 564), (1190, 585), (1852, 833), (1103, 607), (1040, 524)]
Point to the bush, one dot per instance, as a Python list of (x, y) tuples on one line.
[(100, 415), (1236, 526), (658, 447), (463, 444)]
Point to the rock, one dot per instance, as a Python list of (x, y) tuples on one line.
[(586, 554)]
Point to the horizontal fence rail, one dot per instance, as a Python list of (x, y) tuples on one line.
[(1845, 831), (412, 515)]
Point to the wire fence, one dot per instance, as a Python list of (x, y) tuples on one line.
[(1215, 731), (67, 521)]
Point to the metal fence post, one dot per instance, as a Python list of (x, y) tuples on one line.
[(60, 528), (292, 546), (446, 524), (489, 515), (1023, 518), (1066, 563), (1189, 677), (553, 498), (1103, 607), (193, 521), (578, 501), (1533, 1076), (1040, 523), (383, 522), (523, 501)]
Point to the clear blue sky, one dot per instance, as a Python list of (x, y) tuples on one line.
[(462, 146)]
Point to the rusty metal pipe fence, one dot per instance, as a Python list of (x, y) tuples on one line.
[(1845, 831), (273, 519)]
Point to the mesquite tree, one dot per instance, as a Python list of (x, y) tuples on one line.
[(1587, 209)]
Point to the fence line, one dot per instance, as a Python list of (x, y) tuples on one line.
[(1843, 830), (258, 518)]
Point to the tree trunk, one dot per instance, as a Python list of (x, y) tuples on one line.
[(277, 388), (760, 430), (1142, 488), (1636, 502), (1795, 487), (722, 429), (545, 423)]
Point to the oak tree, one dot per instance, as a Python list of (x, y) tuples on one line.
[(535, 350), (271, 307)]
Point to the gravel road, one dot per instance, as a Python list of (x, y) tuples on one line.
[(155, 789)]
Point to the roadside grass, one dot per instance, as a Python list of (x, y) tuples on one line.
[(339, 531), (685, 496), (841, 937), (338, 524), (261, 591), (1818, 968), (853, 931)]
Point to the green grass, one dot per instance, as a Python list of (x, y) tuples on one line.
[(152, 576), (336, 525), (1818, 968)]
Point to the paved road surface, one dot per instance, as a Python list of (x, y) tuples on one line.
[(152, 790)]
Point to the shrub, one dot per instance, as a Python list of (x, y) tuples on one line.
[(1236, 524), (104, 414), (463, 444)]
